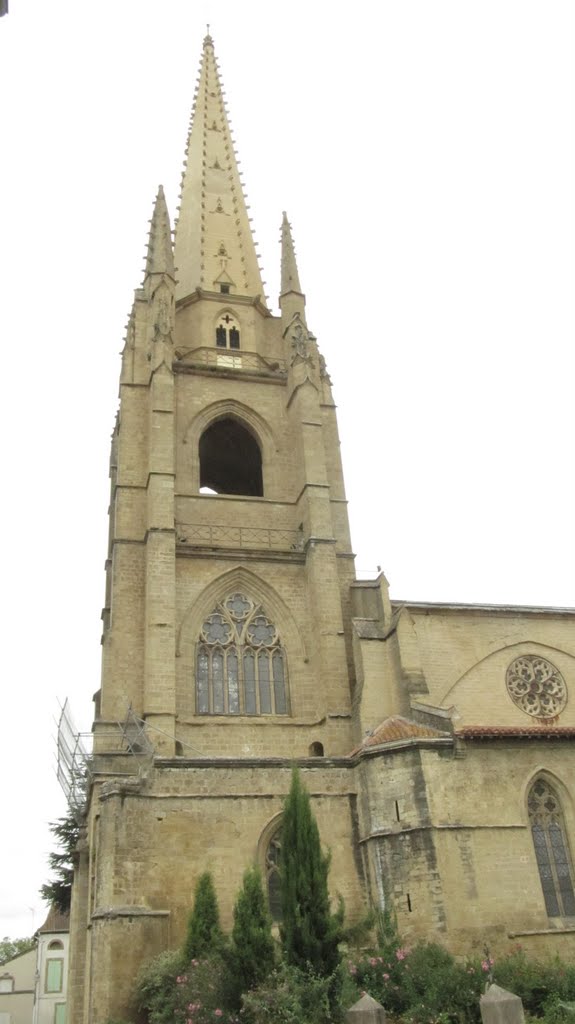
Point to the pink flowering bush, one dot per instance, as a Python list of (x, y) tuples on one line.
[(201, 994), (423, 985), (170, 992)]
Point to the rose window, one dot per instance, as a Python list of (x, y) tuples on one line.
[(536, 686)]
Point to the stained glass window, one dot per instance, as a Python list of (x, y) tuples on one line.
[(241, 667), (551, 849)]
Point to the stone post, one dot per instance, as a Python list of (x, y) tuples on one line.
[(500, 1007), (366, 1011)]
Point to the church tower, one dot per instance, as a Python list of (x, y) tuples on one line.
[(227, 632), (226, 478)]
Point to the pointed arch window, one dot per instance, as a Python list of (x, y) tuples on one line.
[(551, 849), (273, 884), (241, 665)]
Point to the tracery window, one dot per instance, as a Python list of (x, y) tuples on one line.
[(227, 332), (240, 665), (551, 849)]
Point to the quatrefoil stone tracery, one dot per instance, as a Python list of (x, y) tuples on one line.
[(536, 686), (238, 606)]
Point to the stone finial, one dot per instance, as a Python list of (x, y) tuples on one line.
[(160, 257), (500, 1007), (366, 1011), (289, 272)]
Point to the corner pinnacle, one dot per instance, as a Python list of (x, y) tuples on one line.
[(160, 257), (289, 271)]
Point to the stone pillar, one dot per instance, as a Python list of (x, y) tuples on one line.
[(500, 1007), (366, 1011)]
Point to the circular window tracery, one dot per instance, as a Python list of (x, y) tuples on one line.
[(241, 666), (536, 686)]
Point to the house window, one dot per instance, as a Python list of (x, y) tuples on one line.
[(56, 944), (6, 983), (551, 849), (240, 665), (60, 1013), (54, 975), (227, 332)]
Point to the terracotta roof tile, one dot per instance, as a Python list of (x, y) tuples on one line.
[(548, 732), (397, 728)]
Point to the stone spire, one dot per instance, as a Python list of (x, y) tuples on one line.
[(289, 274), (160, 258), (214, 245)]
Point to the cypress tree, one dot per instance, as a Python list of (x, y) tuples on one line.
[(251, 957), (204, 935), (309, 931)]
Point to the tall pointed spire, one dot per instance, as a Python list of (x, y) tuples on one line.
[(214, 246), (160, 258), (289, 273)]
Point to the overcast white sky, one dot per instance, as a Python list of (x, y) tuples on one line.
[(424, 153)]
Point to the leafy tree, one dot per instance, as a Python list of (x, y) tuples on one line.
[(204, 934), (251, 957), (58, 890), (10, 948), (310, 932)]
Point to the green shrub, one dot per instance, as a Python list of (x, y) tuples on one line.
[(251, 956), (421, 985), (156, 987), (290, 996), (557, 1011), (204, 934), (437, 986), (539, 983)]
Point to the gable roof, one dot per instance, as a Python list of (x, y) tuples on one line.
[(56, 921)]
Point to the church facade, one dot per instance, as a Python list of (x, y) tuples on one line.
[(436, 741)]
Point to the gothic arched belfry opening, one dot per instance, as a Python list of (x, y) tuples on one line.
[(237, 640)]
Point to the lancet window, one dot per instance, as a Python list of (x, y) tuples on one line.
[(241, 666), (273, 885), (551, 849)]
